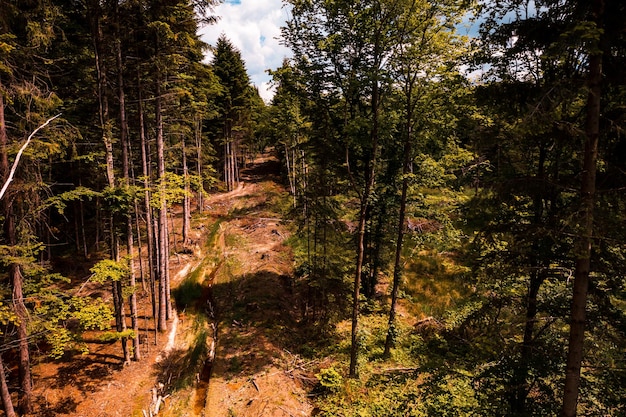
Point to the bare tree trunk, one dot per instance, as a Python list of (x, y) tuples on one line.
[(102, 96), (585, 238), (4, 138), (7, 403), (397, 266), (305, 184), (105, 127), (118, 297), (162, 241), (291, 177), (235, 152), (132, 299), (198, 138), (5, 395), (15, 276), (226, 159), (186, 200), (26, 383), (147, 175), (81, 208), (365, 203)]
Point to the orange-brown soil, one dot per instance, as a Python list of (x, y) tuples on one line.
[(250, 284)]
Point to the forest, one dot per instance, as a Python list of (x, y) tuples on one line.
[(448, 206)]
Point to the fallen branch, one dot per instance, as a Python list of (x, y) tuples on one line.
[(19, 155), (400, 370)]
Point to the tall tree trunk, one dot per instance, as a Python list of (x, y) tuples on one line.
[(4, 139), (105, 126), (397, 265), (585, 238), (365, 202), (124, 138), (519, 385), (147, 175), (118, 297), (198, 139), (186, 200), (95, 15), (7, 402), (15, 276), (21, 313), (162, 221), (26, 383), (5, 395)]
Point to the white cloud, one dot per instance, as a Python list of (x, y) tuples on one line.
[(253, 27)]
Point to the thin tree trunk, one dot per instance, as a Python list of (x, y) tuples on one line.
[(198, 138), (82, 228), (162, 242), (110, 172), (5, 395), (124, 138), (227, 173), (235, 152), (305, 184), (118, 298), (133, 180), (7, 403), (585, 238), (186, 199), (369, 186), (354, 347), (102, 96), (132, 299), (291, 177), (15, 276), (4, 139), (147, 175), (26, 383), (397, 265), (519, 384)]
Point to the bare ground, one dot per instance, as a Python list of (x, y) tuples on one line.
[(252, 374)]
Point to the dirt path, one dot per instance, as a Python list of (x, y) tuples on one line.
[(253, 373)]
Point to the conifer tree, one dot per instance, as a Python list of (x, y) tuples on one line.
[(234, 102)]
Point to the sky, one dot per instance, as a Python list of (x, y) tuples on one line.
[(253, 27)]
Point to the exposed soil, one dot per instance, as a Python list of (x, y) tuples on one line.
[(248, 286)]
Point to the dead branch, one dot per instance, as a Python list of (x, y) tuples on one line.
[(19, 155)]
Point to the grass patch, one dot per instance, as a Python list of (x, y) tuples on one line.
[(432, 284)]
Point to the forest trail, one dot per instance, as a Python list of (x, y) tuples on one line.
[(253, 373), (247, 275)]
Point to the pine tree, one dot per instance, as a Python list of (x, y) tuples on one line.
[(234, 101)]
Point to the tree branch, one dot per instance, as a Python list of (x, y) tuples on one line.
[(19, 155)]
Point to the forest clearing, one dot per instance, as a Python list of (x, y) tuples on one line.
[(426, 218)]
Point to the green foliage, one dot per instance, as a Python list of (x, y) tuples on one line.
[(24, 254), (116, 336), (60, 339), (92, 314), (109, 270), (63, 321), (6, 315), (171, 186), (329, 379), (120, 199), (61, 200)]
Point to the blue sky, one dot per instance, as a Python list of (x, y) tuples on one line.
[(253, 26)]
